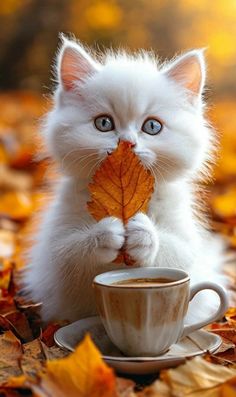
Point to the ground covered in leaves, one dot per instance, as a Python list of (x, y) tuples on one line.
[(30, 363)]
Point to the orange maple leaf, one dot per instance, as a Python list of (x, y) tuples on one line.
[(121, 186)]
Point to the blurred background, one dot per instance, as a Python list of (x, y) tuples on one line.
[(28, 42), (29, 34)]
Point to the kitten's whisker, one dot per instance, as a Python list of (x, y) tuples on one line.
[(85, 156), (81, 159), (159, 172), (156, 168), (86, 164), (77, 150), (83, 164), (74, 151), (152, 169), (67, 155), (164, 168), (162, 157), (168, 166), (95, 166)]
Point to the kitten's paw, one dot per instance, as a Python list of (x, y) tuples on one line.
[(109, 237), (142, 240)]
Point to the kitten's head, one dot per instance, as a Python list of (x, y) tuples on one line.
[(121, 97)]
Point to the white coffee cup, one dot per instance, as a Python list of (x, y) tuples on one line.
[(147, 320)]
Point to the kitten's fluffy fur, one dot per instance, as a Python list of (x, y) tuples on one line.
[(71, 248)]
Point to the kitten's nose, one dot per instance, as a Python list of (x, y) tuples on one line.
[(129, 138)]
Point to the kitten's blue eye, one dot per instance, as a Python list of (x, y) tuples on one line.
[(152, 126), (104, 123)]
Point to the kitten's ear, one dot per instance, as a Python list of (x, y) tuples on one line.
[(74, 64), (189, 70)]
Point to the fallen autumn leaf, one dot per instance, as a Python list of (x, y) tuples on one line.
[(82, 374), (196, 378)]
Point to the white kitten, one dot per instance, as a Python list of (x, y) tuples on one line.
[(160, 110)]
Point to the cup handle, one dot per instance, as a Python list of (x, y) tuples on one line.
[(220, 311)]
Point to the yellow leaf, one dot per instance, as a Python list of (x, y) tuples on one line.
[(225, 203), (81, 374), (14, 382), (229, 389), (17, 205)]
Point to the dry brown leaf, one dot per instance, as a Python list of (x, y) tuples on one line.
[(121, 186), (48, 334), (124, 388), (33, 358), (7, 305), (227, 357), (11, 352), (18, 323), (196, 378), (53, 352), (227, 330)]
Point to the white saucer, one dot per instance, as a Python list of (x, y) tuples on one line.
[(197, 343)]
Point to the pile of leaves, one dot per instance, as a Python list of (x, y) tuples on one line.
[(30, 362)]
